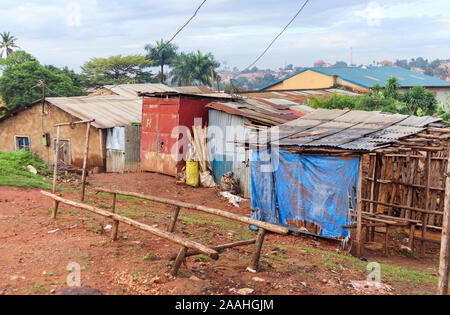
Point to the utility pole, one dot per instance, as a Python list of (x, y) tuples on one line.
[(43, 84)]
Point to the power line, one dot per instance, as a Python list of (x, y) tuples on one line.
[(275, 39), (179, 31)]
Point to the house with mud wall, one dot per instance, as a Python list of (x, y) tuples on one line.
[(32, 127)]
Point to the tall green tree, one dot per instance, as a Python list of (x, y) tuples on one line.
[(8, 42), (161, 54), (194, 69), (117, 70), (19, 84)]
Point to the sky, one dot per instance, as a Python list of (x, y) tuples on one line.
[(62, 32)]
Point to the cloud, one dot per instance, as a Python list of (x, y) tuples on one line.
[(234, 31), (373, 14)]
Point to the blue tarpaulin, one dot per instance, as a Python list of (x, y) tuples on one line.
[(311, 188)]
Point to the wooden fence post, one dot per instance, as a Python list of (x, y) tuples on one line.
[(115, 229), (179, 261), (55, 160), (55, 209), (86, 153), (258, 246), (359, 238), (427, 202), (174, 219), (445, 241)]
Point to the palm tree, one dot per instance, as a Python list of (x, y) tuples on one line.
[(194, 68), (161, 54), (8, 42)]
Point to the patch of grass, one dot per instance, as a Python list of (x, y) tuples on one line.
[(37, 288), (14, 171), (150, 256), (391, 273)]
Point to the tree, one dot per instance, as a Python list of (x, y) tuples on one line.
[(421, 101), (161, 54), (18, 84), (8, 42), (340, 64), (117, 70), (16, 58), (77, 79), (194, 68)]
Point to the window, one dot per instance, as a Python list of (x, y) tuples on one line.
[(23, 143)]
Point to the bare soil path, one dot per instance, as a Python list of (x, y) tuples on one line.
[(35, 251)]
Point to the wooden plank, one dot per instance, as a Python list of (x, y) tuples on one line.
[(267, 226), (163, 234)]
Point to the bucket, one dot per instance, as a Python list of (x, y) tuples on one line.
[(192, 174)]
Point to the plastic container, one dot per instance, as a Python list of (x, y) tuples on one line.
[(192, 174)]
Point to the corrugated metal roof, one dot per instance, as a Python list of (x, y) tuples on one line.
[(108, 111), (132, 90), (351, 130), (368, 77)]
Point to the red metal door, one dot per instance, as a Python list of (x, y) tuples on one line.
[(159, 118)]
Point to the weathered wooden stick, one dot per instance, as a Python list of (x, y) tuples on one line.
[(75, 123), (86, 154), (427, 202), (174, 219), (258, 246), (55, 209), (163, 234), (219, 248), (181, 256), (404, 207), (386, 241), (445, 238), (412, 231), (115, 229), (267, 226), (55, 160), (359, 238), (404, 184)]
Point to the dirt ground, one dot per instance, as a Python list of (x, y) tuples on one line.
[(35, 250)]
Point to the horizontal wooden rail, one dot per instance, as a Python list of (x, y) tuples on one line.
[(264, 225), (219, 248), (75, 123), (163, 234), (402, 207)]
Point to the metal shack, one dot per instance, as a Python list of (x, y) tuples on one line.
[(166, 116), (238, 119)]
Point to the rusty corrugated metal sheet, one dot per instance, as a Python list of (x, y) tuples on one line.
[(108, 111), (132, 90), (351, 130)]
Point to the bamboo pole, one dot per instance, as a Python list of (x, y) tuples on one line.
[(359, 236), (267, 226), (86, 154), (445, 238), (163, 234), (75, 123)]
